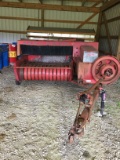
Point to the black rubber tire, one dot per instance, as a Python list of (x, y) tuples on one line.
[(17, 82)]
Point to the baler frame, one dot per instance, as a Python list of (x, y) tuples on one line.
[(105, 69), (76, 55)]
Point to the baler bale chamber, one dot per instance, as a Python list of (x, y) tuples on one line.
[(62, 61)]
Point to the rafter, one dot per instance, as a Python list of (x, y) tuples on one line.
[(62, 1), (20, 1), (94, 14), (109, 4), (13, 31), (45, 20), (112, 19), (87, 20), (42, 18), (94, 5), (104, 1), (49, 7), (107, 32), (42, 15), (40, 1), (118, 48), (98, 27), (83, 2)]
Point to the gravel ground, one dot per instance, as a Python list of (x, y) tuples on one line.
[(36, 116)]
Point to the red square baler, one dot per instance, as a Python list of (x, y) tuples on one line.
[(62, 61)]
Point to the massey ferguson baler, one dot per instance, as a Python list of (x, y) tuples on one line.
[(62, 60)]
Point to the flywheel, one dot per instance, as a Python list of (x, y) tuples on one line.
[(107, 67)]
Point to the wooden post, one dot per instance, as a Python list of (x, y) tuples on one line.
[(42, 15), (107, 32), (118, 50), (98, 27)]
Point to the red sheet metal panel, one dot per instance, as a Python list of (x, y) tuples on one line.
[(84, 72), (76, 45)]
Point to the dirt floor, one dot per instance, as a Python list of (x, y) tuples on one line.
[(36, 116)]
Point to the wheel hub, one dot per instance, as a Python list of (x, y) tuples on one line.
[(106, 67)]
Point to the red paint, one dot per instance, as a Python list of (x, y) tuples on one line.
[(76, 45), (86, 72), (12, 48)]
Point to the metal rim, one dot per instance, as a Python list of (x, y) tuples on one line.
[(107, 67)]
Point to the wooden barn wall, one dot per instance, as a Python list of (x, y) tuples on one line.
[(108, 40)]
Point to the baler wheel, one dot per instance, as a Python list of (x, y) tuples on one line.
[(107, 67), (17, 82)]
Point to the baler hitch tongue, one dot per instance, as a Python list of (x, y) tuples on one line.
[(87, 99)]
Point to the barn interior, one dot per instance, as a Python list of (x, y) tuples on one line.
[(51, 50)]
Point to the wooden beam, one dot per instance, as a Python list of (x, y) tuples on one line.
[(62, 1), (99, 23), (112, 19), (68, 21), (13, 31), (40, 1), (42, 18), (94, 14), (98, 27), (104, 52), (20, 18), (111, 37), (42, 15), (118, 48), (83, 2), (92, 17), (107, 32), (20, 1), (94, 5), (49, 7), (109, 4), (104, 1), (45, 20)]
